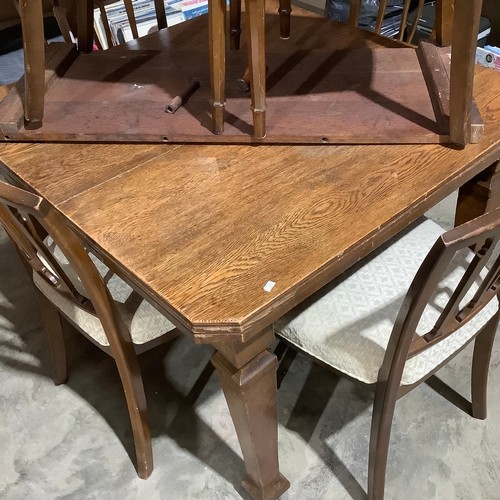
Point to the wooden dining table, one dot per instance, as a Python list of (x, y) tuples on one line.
[(223, 240)]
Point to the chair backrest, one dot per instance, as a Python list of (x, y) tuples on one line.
[(66, 14), (482, 234), (355, 10), (28, 219)]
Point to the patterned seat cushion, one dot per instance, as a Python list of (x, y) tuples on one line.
[(347, 324), (143, 320)]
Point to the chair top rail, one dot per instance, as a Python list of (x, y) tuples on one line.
[(483, 234)]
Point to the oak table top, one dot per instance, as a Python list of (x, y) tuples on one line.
[(202, 229), (204, 232)]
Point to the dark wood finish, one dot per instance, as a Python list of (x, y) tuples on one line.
[(247, 373), (34, 43), (483, 346), (254, 10), (323, 106), (436, 74), (22, 214), (234, 24), (481, 194), (53, 327), (59, 57), (161, 16), (85, 10), (285, 11), (391, 92), (402, 338), (483, 233), (464, 15), (401, 180)]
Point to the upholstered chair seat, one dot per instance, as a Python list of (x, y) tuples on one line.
[(70, 283), (143, 320), (399, 315), (348, 323)]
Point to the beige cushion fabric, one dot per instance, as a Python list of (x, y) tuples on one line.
[(347, 324), (143, 320)]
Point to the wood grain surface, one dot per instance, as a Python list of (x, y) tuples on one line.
[(202, 229)]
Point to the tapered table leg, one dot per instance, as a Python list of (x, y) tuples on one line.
[(34, 61), (217, 46), (247, 373), (257, 62)]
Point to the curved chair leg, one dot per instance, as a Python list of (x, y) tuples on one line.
[(234, 24), (483, 346), (285, 9), (53, 327), (130, 375), (383, 413)]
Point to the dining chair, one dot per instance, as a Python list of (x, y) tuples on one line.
[(284, 11), (355, 10), (65, 12), (400, 314), (71, 284)]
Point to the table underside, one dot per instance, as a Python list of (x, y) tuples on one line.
[(361, 96)]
